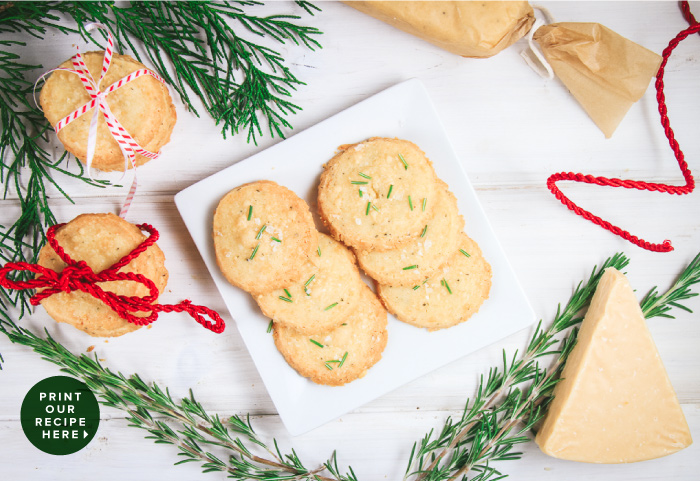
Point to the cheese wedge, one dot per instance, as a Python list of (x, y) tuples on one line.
[(615, 403)]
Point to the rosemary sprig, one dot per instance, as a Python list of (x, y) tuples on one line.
[(510, 400), (184, 424)]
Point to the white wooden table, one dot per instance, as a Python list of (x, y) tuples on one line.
[(511, 129)]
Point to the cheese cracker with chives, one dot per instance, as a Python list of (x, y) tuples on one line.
[(264, 237), (371, 194)]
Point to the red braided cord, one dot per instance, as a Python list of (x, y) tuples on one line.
[(78, 276), (632, 184)]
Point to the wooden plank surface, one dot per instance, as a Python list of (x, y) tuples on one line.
[(511, 129)]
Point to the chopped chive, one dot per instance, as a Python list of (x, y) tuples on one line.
[(316, 342), (369, 204), (310, 280), (328, 366), (361, 174), (285, 299), (405, 164), (269, 327), (375, 207), (360, 192), (255, 251), (391, 187), (447, 286), (307, 291), (318, 250), (275, 239), (331, 306), (425, 201), (260, 232), (288, 294), (342, 361), (410, 202), (359, 182), (250, 211), (464, 252), (425, 229), (408, 268), (416, 287), (334, 361)]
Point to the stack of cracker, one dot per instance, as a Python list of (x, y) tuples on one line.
[(327, 323), (383, 198)]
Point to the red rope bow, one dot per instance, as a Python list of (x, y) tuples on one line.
[(78, 276), (632, 184)]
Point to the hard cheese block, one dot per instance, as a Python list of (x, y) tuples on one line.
[(615, 403)]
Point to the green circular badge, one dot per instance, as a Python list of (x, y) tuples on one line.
[(60, 415)]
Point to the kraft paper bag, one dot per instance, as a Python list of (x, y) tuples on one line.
[(603, 70)]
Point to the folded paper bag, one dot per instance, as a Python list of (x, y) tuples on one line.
[(469, 29), (603, 70)]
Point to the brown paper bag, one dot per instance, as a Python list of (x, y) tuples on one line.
[(604, 71), (469, 29)]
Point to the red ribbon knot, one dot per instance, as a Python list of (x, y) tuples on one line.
[(79, 276)]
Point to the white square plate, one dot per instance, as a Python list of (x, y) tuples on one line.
[(403, 111)]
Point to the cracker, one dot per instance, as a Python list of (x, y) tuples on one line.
[(363, 337), (324, 300), (101, 240), (371, 199), (143, 106), (449, 297), (264, 237), (412, 263)]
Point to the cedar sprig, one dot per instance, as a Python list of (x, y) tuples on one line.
[(513, 398)]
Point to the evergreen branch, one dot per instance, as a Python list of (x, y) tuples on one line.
[(503, 411)]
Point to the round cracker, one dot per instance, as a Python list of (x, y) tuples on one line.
[(354, 196), (363, 337), (323, 301), (428, 252), (143, 107), (248, 255), (101, 240), (450, 296)]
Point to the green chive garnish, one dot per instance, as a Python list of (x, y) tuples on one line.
[(331, 306), (415, 288), (375, 207), (316, 342), (425, 229), (342, 361), (425, 201), (255, 251), (285, 299), (275, 239), (408, 268), (260, 232), (288, 294), (310, 280), (410, 202), (360, 192), (250, 212), (269, 327), (369, 204), (364, 175), (391, 187), (319, 251), (447, 286), (464, 252), (359, 182), (405, 164), (329, 367)]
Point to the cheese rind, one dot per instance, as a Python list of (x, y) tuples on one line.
[(615, 403)]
